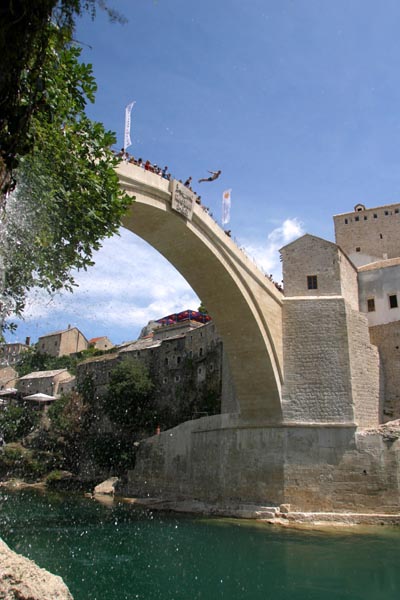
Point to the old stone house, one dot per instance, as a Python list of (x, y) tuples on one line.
[(8, 378), (371, 238), (61, 343), (11, 352), (52, 383), (185, 362), (341, 321), (101, 343), (331, 369)]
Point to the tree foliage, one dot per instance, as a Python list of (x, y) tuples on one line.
[(129, 401), (17, 421), (25, 34), (67, 198), (32, 360)]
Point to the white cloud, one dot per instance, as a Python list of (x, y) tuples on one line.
[(130, 284), (266, 254)]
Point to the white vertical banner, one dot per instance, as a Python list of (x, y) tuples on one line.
[(226, 207), (127, 136)]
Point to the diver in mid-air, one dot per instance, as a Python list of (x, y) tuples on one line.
[(214, 176)]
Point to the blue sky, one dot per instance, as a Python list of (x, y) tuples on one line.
[(296, 101)]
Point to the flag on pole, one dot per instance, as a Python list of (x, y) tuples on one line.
[(127, 136), (226, 206)]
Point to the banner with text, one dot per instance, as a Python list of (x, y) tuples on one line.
[(127, 136)]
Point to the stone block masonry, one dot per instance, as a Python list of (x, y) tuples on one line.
[(324, 380), (222, 460), (369, 232)]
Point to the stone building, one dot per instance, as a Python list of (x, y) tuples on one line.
[(52, 383), (331, 370), (62, 343), (341, 321), (10, 353), (8, 378), (101, 343), (368, 235), (185, 363)]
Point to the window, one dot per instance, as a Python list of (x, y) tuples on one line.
[(312, 282), (371, 304), (166, 361), (375, 216), (201, 352), (358, 249), (380, 236), (357, 218), (346, 221), (393, 301), (165, 380), (386, 213), (178, 360), (177, 378), (396, 211), (365, 218)]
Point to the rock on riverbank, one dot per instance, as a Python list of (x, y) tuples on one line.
[(22, 579)]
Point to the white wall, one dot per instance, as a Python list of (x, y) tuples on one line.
[(379, 284)]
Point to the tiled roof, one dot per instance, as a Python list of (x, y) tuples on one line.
[(99, 358), (380, 264), (39, 374), (140, 344)]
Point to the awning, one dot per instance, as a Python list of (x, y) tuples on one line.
[(39, 397)]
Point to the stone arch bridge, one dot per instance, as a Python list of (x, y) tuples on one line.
[(245, 305)]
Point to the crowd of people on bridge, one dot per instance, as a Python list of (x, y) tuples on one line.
[(279, 286), (153, 168), (146, 165)]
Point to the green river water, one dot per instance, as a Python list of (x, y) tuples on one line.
[(122, 553)]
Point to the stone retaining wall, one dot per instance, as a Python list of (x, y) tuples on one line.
[(311, 467)]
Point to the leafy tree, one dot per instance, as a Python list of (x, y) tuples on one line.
[(202, 309), (32, 361), (25, 32), (17, 461), (67, 414), (17, 421), (129, 400), (67, 198)]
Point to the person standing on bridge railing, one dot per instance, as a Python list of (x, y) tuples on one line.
[(214, 176)]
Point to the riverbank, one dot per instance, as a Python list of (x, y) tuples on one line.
[(281, 516), (276, 515)]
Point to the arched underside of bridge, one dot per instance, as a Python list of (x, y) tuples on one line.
[(245, 306)]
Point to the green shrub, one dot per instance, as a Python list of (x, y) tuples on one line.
[(56, 475), (17, 461), (17, 421)]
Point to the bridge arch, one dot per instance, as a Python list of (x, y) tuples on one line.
[(245, 305)]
